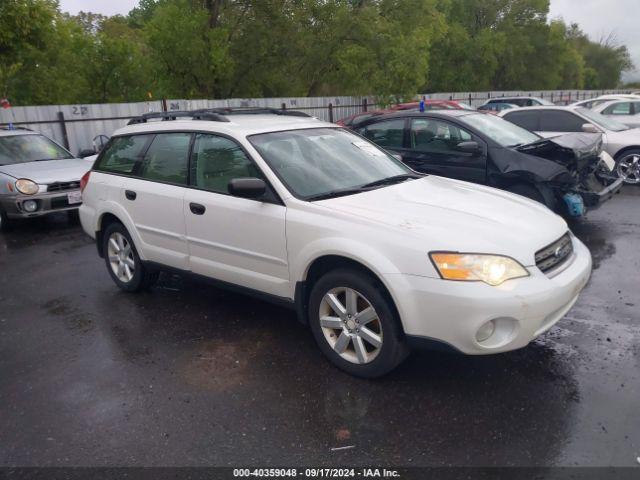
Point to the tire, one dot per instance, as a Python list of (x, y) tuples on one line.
[(347, 342), (5, 223), (529, 191), (628, 166), (126, 269)]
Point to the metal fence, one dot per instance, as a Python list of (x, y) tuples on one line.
[(75, 126)]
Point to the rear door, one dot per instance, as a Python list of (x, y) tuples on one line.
[(236, 240), (153, 198), (433, 148)]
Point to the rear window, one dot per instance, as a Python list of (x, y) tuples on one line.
[(167, 158), (122, 154)]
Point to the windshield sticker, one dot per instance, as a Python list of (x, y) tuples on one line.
[(369, 149)]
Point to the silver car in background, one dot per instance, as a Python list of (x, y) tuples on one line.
[(37, 176), (621, 143), (624, 111)]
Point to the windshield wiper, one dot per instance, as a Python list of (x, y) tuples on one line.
[(391, 180), (335, 193), (363, 188)]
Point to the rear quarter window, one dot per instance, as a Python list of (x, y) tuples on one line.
[(122, 154)]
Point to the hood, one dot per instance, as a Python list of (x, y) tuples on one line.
[(50, 171), (574, 151), (444, 214)]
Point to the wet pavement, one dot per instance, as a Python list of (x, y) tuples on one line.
[(187, 374)]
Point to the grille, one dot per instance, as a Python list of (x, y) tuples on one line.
[(59, 202), (61, 186), (555, 255)]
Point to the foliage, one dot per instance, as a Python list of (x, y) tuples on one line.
[(246, 48)]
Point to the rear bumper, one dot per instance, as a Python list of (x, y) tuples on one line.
[(47, 203)]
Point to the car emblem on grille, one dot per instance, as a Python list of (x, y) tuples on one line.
[(559, 251)]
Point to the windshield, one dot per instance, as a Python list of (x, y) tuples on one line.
[(29, 148), (504, 133), (601, 120), (318, 161)]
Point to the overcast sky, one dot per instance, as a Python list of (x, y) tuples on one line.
[(596, 17)]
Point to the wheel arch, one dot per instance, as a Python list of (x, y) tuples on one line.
[(329, 262), (624, 150)]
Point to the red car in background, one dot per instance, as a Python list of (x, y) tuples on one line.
[(428, 105)]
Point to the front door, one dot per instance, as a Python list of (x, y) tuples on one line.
[(433, 149), (235, 240)]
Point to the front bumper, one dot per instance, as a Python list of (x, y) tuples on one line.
[(594, 199), (47, 203), (452, 312)]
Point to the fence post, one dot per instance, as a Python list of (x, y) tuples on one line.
[(63, 127), (364, 104), (330, 112), (164, 105), (284, 106), (470, 100)]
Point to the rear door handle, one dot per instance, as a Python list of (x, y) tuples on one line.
[(130, 194), (197, 209)]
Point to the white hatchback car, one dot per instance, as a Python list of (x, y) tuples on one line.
[(374, 257)]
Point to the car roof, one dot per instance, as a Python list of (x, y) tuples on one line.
[(236, 124), (442, 114), (545, 107), (5, 132)]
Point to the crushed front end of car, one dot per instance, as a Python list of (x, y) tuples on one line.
[(583, 182)]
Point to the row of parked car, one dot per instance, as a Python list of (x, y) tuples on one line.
[(354, 227)]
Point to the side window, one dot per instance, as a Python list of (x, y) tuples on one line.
[(636, 108), (217, 160), (624, 108), (389, 133), (122, 154), (167, 158), (558, 121), (436, 136), (527, 120)]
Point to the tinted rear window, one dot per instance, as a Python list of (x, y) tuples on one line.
[(167, 158), (122, 154)]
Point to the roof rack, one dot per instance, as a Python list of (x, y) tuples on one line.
[(254, 111), (165, 116), (213, 114)]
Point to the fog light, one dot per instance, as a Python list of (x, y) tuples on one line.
[(485, 331), (30, 206)]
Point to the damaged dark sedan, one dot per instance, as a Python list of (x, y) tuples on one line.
[(569, 174)]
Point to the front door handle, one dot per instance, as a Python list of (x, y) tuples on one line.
[(130, 194), (197, 209)]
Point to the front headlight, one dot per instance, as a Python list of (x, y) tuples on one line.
[(28, 187), (471, 267)]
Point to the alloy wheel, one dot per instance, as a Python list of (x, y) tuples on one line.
[(629, 169), (351, 325), (121, 257)]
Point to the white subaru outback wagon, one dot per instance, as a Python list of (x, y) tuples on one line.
[(374, 257)]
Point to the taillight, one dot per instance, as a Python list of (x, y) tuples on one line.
[(84, 180)]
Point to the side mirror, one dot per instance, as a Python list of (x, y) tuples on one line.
[(590, 128), (397, 156), (87, 152), (468, 147), (247, 187)]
